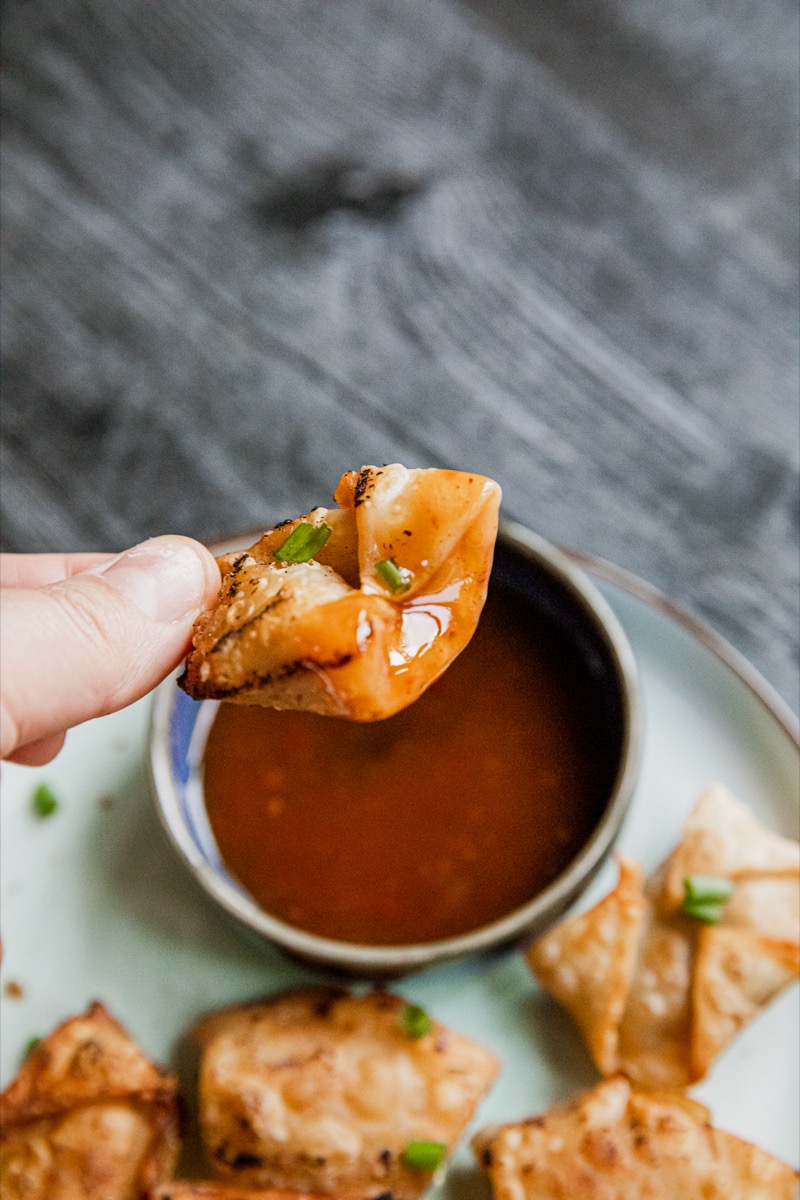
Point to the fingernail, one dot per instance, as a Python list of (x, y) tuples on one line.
[(164, 577)]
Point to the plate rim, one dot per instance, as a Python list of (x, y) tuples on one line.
[(704, 633)]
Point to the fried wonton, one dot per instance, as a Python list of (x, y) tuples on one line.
[(88, 1117), (656, 993), (588, 963), (377, 612), (612, 1143), (319, 1091)]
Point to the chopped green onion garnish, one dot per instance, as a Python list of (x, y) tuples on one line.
[(398, 579), (43, 801), (29, 1047), (415, 1021), (303, 543), (424, 1156), (705, 897), (707, 889), (710, 912)]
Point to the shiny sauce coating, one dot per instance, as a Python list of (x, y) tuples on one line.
[(449, 814)]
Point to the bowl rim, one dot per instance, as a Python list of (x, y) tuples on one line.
[(385, 959)]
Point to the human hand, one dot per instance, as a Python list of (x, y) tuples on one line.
[(82, 635)]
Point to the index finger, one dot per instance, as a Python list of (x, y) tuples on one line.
[(39, 570)]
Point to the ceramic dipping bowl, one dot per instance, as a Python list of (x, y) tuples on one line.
[(545, 580)]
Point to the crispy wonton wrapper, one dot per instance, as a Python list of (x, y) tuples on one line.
[(655, 993), (589, 967), (736, 974), (319, 1091), (189, 1189), (768, 906), (87, 1117), (332, 635), (722, 837), (612, 1143)]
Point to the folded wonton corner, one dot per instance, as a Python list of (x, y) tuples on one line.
[(587, 963), (723, 837), (736, 974)]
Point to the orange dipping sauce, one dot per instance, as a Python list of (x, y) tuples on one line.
[(434, 822)]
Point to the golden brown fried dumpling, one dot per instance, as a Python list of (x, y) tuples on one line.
[(587, 963), (612, 1143), (88, 1117), (656, 994), (319, 1091), (376, 614)]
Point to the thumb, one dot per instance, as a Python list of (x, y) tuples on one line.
[(91, 644)]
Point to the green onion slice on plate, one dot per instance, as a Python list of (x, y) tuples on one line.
[(303, 543), (43, 802), (415, 1021)]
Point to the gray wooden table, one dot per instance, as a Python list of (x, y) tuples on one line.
[(252, 243)]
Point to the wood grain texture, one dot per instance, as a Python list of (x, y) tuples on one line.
[(248, 245)]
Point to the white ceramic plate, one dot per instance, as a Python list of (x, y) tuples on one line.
[(96, 905)]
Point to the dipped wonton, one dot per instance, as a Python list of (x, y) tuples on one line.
[(612, 1143), (354, 611), (657, 992), (87, 1117), (320, 1091)]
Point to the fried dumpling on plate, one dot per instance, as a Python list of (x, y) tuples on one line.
[(626, 980), (353, 611), (613, 1143), (316, 1090), (87, 1116), (658, 993), (587, 963)]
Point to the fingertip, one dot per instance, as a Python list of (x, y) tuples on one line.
[(170, 578), (211, 570), (38, 753)]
